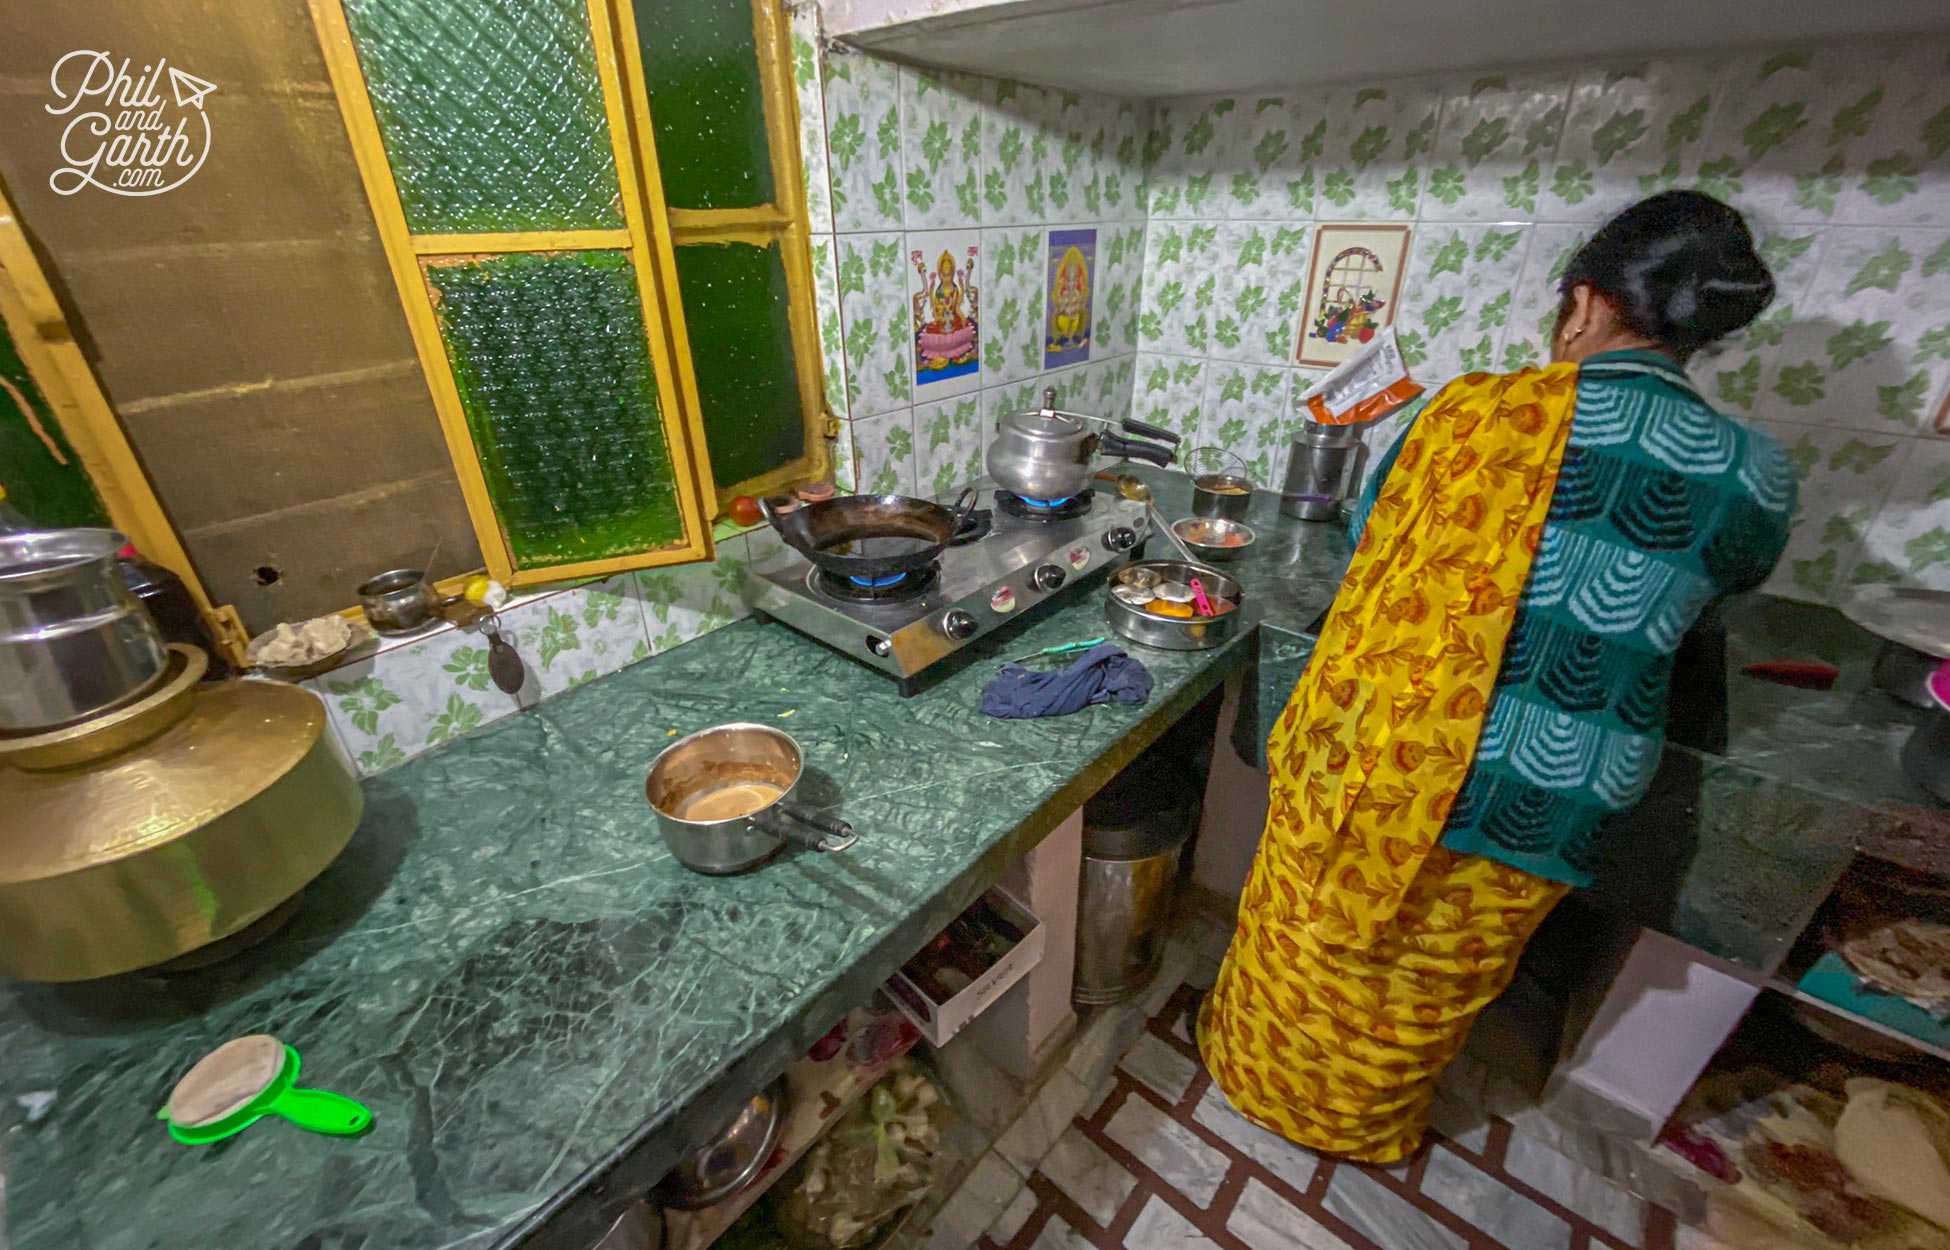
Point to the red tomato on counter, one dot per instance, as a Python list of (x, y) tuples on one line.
[(743, 510)]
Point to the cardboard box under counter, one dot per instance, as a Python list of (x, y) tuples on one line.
[(940, 1020)]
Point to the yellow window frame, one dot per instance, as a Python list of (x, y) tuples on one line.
[(644, 236), (651, 234), (784, 221), (39, 328)]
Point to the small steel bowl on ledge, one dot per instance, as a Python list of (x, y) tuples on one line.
[(1213, 539)]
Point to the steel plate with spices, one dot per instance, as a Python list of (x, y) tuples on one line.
[(1174, 605)]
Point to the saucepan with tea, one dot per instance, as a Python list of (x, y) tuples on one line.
[(723, 800)]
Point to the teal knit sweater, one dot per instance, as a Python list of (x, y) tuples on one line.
[(1662, 506)]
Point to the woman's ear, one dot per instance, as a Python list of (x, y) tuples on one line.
[(1574, 323)]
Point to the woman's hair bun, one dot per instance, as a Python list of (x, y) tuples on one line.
[(1678, 267)]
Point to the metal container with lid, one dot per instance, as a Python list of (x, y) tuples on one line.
[(74, 639), (1133, 831), (1316, 475)]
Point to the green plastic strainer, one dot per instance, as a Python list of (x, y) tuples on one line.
[(246, 1079)]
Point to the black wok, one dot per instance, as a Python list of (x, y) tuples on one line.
[(870, 536)]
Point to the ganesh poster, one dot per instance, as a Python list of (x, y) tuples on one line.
[(1072, 276), (944, 298), (1352, 288)]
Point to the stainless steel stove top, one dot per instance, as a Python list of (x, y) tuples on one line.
[(981, 586)]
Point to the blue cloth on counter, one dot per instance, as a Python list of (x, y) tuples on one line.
[(1102, 674)]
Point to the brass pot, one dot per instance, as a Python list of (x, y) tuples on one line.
[(166, 825)]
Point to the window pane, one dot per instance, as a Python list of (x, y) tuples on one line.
[(38, 466), (700, 64), (735, 313), (491, 113), (554, 371)]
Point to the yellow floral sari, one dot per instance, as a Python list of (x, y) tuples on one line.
[(1365, 950)]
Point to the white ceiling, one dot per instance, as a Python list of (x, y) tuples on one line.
[(1141, 48)]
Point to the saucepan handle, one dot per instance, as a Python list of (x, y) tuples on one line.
[(779, 821)]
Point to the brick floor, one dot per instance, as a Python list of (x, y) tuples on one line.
[(1160, 1161)]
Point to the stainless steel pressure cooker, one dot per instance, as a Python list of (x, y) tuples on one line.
[(1047, 454)]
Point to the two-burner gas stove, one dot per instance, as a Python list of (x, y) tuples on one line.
[(1026, 554)]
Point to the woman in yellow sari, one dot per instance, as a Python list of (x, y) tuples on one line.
[(1492, 682)]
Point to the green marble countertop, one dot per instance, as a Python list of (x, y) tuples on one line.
[(537, 1002), (1732, 852)]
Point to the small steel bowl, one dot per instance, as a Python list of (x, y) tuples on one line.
[(1205, 537), (1139, 576)]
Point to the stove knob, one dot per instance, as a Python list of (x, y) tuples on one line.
[(959, 625), (1046, 578), (879, 646), (1120, 538)]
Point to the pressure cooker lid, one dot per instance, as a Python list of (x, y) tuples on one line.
[(1040, 423)]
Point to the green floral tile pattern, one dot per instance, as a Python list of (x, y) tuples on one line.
[(875, 323), (683, 604), (408, 698), (1498, 136), (579, 635), (1871, 348), (941, 128), (832, 331), (1244, 414), (1845, 478), (1120, 288), (808, 85), (884, 446), (908, 151), (1631, 128), (1908, 540), (1017, 143), (863, 142), (1457, 305), (1012, 301), (1375, 163), (1188, 158), (1169, 392), (948, 444)]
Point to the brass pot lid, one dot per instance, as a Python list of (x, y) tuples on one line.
[(229, 745)]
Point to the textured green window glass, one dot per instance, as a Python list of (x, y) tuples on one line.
[(736, 316), (491, 113), (700, 63), (553, 365), (32, 449)]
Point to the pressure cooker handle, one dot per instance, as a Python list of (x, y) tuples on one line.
[(1116, 445), (1144, 429)]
